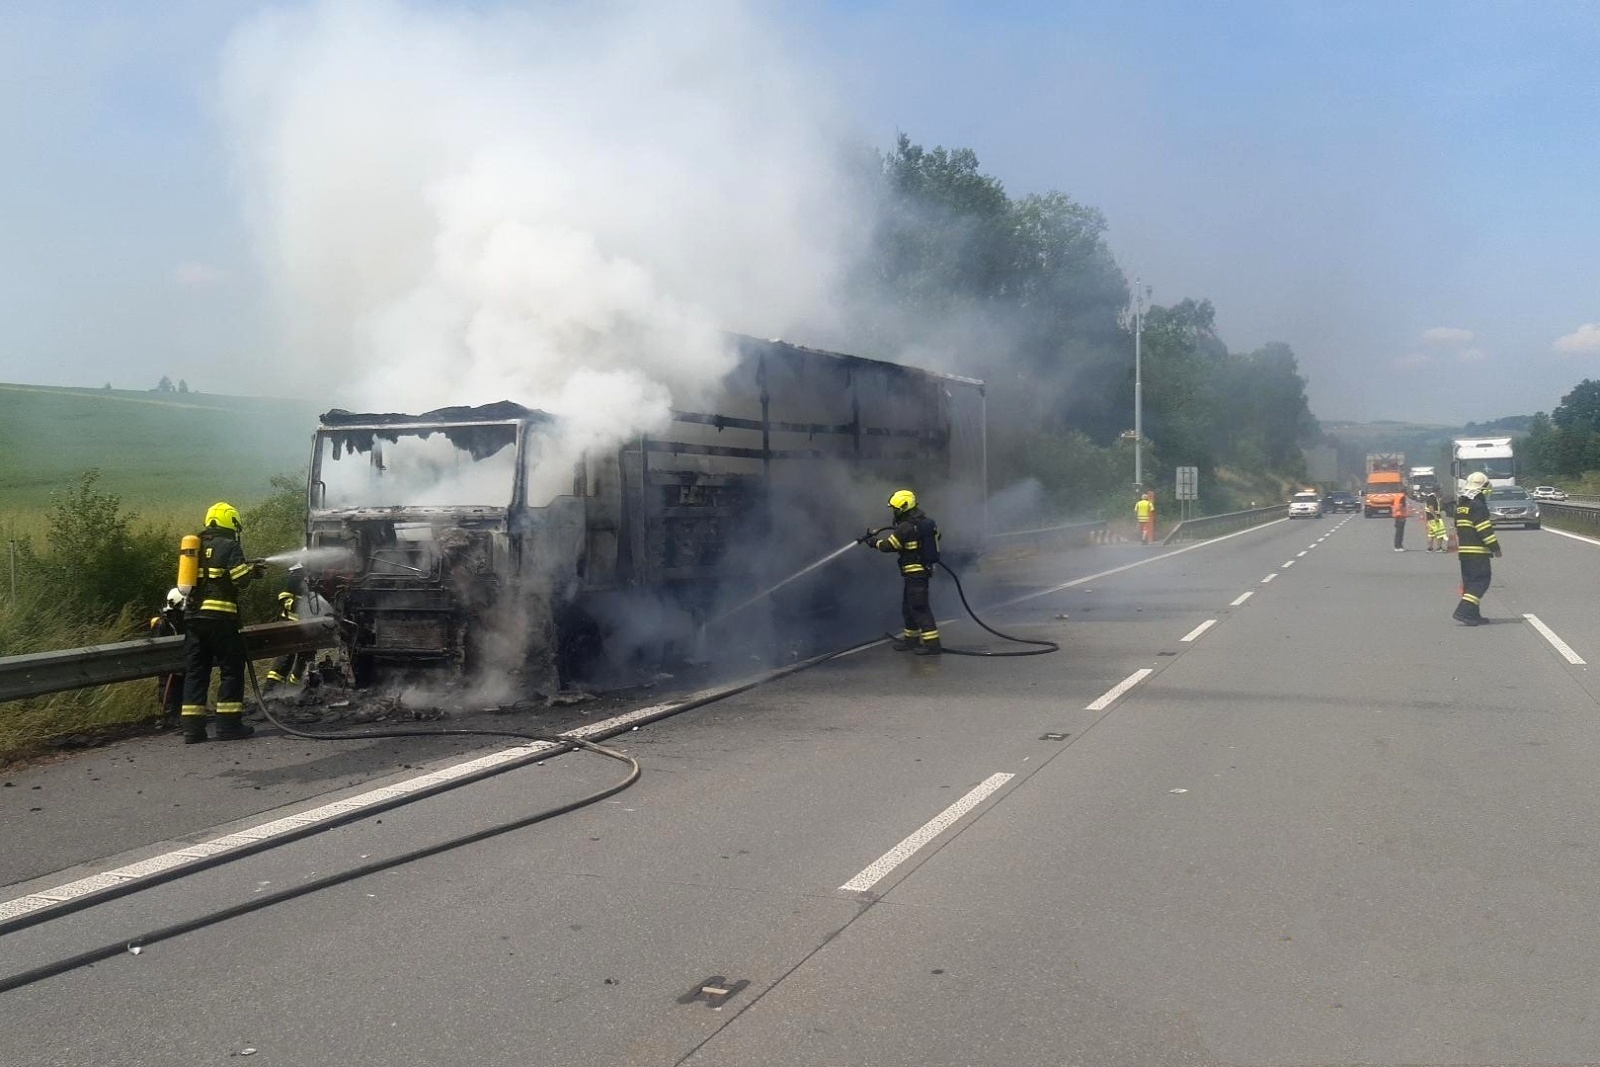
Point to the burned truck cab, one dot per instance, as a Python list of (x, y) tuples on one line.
[(420, 535)]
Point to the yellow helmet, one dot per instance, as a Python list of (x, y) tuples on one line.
[(902, 500), (224, 515)]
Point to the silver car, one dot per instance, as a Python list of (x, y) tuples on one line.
[(1510, 505)]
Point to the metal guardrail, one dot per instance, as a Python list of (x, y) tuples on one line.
[(1567, 515), (1045, 536), (42, 673), (1217, 525)]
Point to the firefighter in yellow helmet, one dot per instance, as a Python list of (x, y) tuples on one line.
[(915, 537), (212, 638), (1476, 544)]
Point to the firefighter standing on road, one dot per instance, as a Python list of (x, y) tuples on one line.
[(212, 638), (1144, 510), (916, 538), (1476, 544)]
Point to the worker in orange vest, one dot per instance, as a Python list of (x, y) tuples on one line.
[(1401, 513), (1145, 511)]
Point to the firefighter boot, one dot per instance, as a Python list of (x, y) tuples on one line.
[(930, 647), (906, 642), (194, 729), (233, 727)]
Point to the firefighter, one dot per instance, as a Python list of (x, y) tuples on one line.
[(916, 538), (288, 669), (1476, 544), (169, 687), (212, 637)]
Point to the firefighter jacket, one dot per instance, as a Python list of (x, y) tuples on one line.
[(1474, 528), (223, 569), (916, 538)]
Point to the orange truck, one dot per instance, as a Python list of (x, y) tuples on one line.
[(1386, 481)]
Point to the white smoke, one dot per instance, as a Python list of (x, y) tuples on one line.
[(564, 208)]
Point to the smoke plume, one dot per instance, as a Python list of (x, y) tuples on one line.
[(564, 208)]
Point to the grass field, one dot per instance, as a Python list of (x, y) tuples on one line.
[(163, 453), (167, 456)]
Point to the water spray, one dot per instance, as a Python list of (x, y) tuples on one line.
[(312, 558)]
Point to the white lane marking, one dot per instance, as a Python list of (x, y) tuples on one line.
[(1129, 566), (1550, 635), (1575, 537), (1121, 687), (250, 835), (1288, 563), (1242, 597), (1269, 578), (1297, 555), (1195, 633), (887, 862)]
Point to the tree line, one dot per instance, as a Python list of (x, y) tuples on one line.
[(1564, 445), (1025, 293)]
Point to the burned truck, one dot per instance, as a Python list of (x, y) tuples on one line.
[(472, 543)]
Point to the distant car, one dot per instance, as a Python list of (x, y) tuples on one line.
[(1512, 505), (1340, 500), (1307, 505), (1547, 492)]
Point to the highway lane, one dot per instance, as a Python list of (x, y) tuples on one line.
[(1326, 829)]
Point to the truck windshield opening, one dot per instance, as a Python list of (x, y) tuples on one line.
[(430, 467)]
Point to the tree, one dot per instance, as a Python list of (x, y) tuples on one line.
[(183, 385), (165, 385)]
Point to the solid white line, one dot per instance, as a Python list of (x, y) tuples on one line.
[(1575, 537), (887, 862), (1269, 578), (1242, 598), (1198, 630), (1550, 635), (1121, 687), (1130, 566)]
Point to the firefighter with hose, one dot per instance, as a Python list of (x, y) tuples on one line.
[(915, 537), (215, 565)]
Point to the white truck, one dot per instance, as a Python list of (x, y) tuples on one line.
[(1493, 456)]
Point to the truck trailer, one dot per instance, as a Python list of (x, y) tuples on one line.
[(473, 543)]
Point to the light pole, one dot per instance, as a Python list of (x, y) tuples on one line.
[(1138, 385)]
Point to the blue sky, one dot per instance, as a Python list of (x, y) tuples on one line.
[(1403, 193)]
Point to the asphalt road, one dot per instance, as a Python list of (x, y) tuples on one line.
[(1331, 827)]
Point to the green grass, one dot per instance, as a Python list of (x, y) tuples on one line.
[(167, 456), (160, 452)]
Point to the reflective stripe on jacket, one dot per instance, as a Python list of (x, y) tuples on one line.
[(916, 538), (1474, 528)]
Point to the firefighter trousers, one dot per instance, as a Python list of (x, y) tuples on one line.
[(209, 643), (915, 610), (1475, 572)]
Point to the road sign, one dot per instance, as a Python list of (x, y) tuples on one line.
[(1188, 483)]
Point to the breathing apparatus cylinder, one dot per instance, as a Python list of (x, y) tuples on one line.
[(188, 563)]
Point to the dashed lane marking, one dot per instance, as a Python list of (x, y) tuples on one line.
[(1241, 598), (1269, 578), (1120, 688), (1194, 634), (875, 872)]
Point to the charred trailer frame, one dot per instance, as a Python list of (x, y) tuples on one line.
[(476, 542)]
